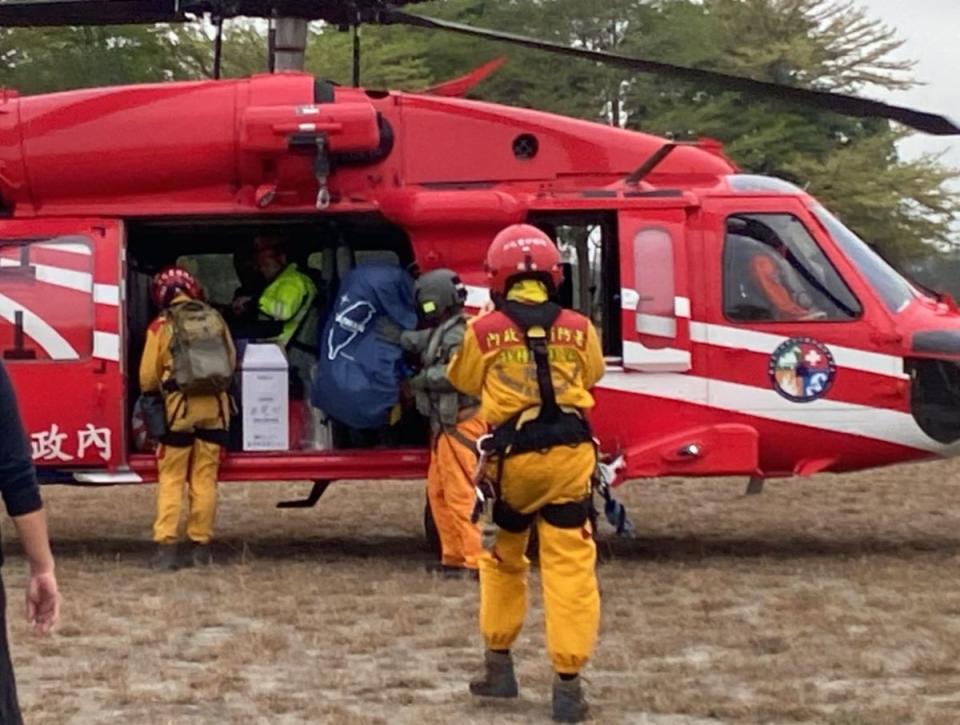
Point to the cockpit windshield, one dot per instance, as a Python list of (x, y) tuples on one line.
[(892, 287)]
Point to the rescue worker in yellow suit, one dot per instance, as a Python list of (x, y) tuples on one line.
[(455, 426), (532, 365), (189, 453)]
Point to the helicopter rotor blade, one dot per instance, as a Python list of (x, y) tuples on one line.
[(824, 100)]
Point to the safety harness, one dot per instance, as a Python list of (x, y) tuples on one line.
[(155, 411), (553, 426)]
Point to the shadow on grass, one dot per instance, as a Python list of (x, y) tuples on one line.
[(784, 547), (411, 550), (231, 550)]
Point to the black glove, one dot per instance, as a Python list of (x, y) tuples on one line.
[(387, 330)]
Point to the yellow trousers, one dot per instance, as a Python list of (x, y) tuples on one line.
[(452, 497), (193, 466), (571, 600)]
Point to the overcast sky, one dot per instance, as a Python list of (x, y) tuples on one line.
[(931, 31)]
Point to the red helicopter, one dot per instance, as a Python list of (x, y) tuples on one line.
[(747, 330)]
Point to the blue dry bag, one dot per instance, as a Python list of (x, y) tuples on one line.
[(358, 375)]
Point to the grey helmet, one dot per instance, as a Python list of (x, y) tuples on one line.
[(438, 292)]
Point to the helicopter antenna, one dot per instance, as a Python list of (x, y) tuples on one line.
[(356, 51), (218, 47), (271, 45)]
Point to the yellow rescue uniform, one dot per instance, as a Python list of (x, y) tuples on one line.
[(196, 464), (495, 365)]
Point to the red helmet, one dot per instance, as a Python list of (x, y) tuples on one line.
[(171, 280), (522, 251)]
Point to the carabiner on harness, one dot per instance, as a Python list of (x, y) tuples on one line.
[(482, 486), (614, 511)]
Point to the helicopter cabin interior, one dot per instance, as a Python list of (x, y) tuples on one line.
[(326, 249)]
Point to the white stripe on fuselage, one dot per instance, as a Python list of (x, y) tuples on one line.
[(765, 343), (106, 346), (103, 294), (739, 338), (51, 341), (880, 424)]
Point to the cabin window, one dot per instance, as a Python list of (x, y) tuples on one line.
[(654, 275), (774, 271), (46, 299), (218, 275), (591, 285)]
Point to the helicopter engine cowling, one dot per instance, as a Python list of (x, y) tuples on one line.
[(196, 143)]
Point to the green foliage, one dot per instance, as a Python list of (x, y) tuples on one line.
[(391, 58), (45, 60)]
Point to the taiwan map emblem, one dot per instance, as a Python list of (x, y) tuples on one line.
[(802, 369)]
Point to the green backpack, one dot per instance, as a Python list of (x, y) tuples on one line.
[(201, 353)]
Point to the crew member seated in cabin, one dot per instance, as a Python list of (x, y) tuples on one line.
[(187, 366), (288, 297), (767, 286)]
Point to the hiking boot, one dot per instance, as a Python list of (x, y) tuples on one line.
[(498, 678), (164, 558), (201, 555), (569, 703)]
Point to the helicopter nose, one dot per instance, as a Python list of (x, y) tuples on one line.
[(936, 343), (935, 395)]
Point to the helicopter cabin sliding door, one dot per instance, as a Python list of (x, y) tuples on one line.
[(656, 304), (60, 330)]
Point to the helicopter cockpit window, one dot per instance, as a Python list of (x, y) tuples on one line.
[(47, 295), (775, 271), (888, 283)]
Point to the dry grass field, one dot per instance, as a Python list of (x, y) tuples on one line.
[(832, 600)]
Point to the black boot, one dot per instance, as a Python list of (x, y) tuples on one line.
[(498, 678), (164, 558), (201, 555), (569, 703)]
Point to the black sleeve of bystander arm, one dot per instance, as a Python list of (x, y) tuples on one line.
[(18, 478)]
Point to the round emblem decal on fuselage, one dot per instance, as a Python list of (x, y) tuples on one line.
[(802, 369)]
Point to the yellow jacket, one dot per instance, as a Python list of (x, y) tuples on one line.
[(156, 367), (495, 365), (289, 299)]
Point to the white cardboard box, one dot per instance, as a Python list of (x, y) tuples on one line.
[(265, 398)]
